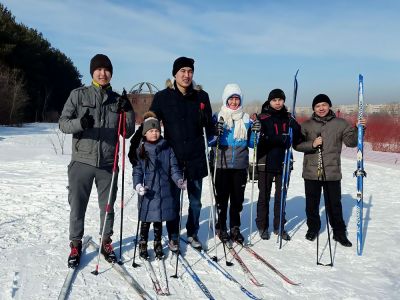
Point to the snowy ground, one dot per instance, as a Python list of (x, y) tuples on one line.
[(34, 235)]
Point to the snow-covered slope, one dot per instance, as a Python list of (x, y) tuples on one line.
[(34, 235)]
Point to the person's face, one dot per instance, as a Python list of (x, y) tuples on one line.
[(321, 109), (233, 102), (184, 77), (152, 135), (277, 103), (102, 76)]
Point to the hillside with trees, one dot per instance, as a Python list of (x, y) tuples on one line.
[(35, 78)]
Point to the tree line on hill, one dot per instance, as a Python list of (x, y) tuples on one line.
[(35, 78)]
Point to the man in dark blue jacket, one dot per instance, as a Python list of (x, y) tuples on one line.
[(184, 109)]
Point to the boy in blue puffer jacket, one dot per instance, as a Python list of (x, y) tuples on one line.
[(156, 170)]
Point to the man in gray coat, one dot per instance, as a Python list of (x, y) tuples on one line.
[(91, 115), (325, 133)]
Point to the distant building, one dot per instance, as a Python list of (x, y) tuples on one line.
[(141, 96)]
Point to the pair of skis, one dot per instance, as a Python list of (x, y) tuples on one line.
[(160, 286), (287, 165), (360, 173), (259, 258), (117, 267), (220, 269)]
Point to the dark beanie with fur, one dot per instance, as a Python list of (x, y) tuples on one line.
[(321, 98), (150, 122), (182, 62), (100, 61)]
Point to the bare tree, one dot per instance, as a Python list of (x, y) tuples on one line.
[(13, 96)]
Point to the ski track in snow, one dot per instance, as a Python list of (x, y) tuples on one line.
[(34, 235)]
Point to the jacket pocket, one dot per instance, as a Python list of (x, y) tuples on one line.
[(88, 103), (112, 115)]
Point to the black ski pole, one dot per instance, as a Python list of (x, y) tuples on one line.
[(120, 262), (180, 224), (322, 177), (140, 201)]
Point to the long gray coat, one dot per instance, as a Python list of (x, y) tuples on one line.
[(335, 132), (157, 173)]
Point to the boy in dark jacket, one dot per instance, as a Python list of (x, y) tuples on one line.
[(156, 168), (273, 142)]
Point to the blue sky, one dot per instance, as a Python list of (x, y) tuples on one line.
[(257, 44)]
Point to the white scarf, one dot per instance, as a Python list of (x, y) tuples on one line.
[(234, 118)]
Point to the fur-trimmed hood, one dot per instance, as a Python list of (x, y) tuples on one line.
[(169, 83)]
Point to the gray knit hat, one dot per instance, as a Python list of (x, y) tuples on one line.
[(150, 122)]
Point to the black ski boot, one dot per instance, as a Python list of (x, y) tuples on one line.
[(108, 252), (285, 235), (74, 257), (143, 250), (264, 234), (342, 239), (223, 235), (236, 236), (311, 235), (158, 249)]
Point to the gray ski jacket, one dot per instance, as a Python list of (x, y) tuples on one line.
[(94, 146)]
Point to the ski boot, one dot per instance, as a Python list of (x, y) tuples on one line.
[(342, 239), (143, 250), (236, 236), (158, 249), (194, 241), (285, 235), (108, 252), (74, 257)]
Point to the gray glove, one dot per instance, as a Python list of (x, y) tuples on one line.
[(256, 126), (219, 127)]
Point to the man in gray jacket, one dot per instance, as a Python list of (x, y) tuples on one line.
[(325, 133), (91, 115)]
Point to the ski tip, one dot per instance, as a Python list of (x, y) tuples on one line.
[(360, 77), (297, 72)]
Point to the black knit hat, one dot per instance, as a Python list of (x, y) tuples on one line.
[(276, 93), (100, 61), (321, 98), (182, 62)]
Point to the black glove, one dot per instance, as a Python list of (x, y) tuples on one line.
[(87, 121), (135, 143), (256, 125), (219, 127), (123, 103)]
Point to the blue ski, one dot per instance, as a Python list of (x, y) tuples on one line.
[(360, 173), (193, 274)]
